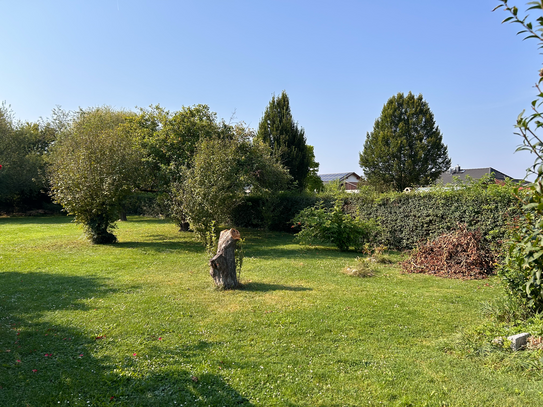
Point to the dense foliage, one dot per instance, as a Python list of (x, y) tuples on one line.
[(313, 181), (523, 266), (331, 225), (168, 140), (22, 150), (224, 170), (287, 140), (409, 218), (405, 147), (93, 166), (274, 212)]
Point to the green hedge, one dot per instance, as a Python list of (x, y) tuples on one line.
[(409, 218), (147, 204), (276, 212)]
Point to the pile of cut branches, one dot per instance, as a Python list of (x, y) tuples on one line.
[(458, 254)]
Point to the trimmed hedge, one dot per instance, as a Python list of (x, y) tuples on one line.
[(409, 218)]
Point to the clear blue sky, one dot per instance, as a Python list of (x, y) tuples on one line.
[(339, 62)]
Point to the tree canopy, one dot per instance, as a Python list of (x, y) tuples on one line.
[(93, 166), (287, 140), (313, 181), (22, 150), (168, 139), (405, 147), (222, 172)]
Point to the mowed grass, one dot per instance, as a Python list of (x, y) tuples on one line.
[(139, 323)]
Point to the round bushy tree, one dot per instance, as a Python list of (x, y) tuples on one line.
[(223, 171), (92, 168), (405, 147)]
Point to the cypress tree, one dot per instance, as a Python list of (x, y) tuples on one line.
[(405, 147), (287, 141)]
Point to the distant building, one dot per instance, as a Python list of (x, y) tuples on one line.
[(348, 180), (474, 173)]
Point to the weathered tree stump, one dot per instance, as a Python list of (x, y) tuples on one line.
[(223, 264)]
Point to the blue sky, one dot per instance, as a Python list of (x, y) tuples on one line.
[(338, 61)]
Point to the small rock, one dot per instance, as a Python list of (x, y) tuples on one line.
[(497, 341), (518, 341)]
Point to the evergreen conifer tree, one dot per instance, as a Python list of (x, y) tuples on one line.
[(287, 141), (405, 147)]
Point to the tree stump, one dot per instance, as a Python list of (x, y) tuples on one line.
[(223, 264)]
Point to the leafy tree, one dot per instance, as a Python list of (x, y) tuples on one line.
[(222, 172), (93, 166), (278, 129), (313, 181), (168, 139), (22, 150), (405, 147), (522, 269), (168, 143)]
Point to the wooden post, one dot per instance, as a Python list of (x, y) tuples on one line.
[(223, 264)]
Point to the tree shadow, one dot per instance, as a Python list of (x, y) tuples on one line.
[(265, 287), (163, 246), (281, 245), (298, 252), (46, 359), (41, 220)]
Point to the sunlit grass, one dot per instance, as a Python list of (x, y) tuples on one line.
[(139, 323)]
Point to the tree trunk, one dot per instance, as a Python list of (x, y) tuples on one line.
[(184, 227), (223, 264)]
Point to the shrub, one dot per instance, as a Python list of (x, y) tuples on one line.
[(321, 224), (275, 212), (523, 263)]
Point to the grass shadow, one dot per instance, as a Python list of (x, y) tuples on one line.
[(265, 287), (43, 363), (41, 220), (163, 246)]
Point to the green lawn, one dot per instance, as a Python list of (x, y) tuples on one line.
[(140, 324)]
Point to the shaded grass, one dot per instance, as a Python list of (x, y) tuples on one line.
[(139, 323)]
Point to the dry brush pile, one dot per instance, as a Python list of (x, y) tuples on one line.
[(458, 254)]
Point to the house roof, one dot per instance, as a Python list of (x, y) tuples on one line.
[(475, 173), (337, 176)]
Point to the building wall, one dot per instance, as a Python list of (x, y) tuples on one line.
[(351, 182)]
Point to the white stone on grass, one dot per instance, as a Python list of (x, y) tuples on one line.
[(518, 341)]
